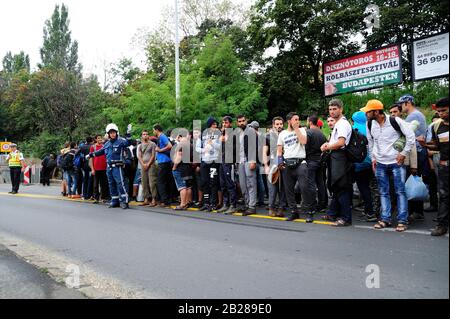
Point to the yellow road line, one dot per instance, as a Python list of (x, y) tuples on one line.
[(137, 204)]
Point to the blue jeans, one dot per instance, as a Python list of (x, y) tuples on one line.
[(72, 182), (399, 176)]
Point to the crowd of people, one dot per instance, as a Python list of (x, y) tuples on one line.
[(235, 166)]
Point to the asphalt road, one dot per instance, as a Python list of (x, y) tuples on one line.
[(20, 280), (198, 255)]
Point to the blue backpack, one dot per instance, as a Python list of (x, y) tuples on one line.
[(77, 161)]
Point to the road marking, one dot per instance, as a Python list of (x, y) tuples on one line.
[(318, 222)]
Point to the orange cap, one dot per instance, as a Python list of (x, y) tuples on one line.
[(373, 105)]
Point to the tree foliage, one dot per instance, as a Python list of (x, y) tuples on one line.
[(58, 50)]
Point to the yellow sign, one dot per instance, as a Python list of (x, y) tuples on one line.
[(5, 147)]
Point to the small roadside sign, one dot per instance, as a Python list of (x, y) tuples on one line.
[(5, 147)]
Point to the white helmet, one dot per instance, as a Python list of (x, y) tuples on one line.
[(112, 126)]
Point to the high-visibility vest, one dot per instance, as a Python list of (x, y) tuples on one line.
[(14, 159)]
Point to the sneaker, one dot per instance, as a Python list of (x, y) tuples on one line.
[(124, 205), (204, 208), (223, 209), (309, 218), (292, 216), (417, 217), (230, 211), (370, 218), (249, 211), (280, 212), (439, 231), (272, 212), (430, 209)]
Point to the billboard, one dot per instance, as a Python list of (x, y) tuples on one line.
[(363, 71), (430, 57)]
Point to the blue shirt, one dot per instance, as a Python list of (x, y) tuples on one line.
[(163, 141), (422, 129)]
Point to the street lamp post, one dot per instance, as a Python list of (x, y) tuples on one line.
[(177, 64)]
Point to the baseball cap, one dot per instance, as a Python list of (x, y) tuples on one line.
[(319, 123), (373, 105), (406, 98), (254, 125)]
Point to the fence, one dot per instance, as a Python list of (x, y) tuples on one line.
[(35, 172)]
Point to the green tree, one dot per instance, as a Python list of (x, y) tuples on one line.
[(305, 33), (58, 50), (15, 63), (122, 72), (212, 83), (402, 21)]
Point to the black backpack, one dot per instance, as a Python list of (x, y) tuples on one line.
[(393, 122), (67, 161), (357, 147)]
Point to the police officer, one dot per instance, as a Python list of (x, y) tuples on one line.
[(16, 164), (117, 154)]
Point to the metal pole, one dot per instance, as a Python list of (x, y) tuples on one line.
[(177, 64)]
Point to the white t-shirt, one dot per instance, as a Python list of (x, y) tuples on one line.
[(341, 129), (291, 145)]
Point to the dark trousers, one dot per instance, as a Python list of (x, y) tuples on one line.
[(227, 185), (363, 179), (87, 183), (15, 178), (340, 205), (211, 182), (415, 206), (443, 196), (101, 180), (322, 194), (46, 175), (431, 181), (79, 177), (261, 190), (290, 176), (316, 185), (164, 182)]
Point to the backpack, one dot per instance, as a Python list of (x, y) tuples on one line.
[(67, 162), (357, 147), (77, 160), (393, 122)]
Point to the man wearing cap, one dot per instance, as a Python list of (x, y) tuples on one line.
[(274, 184), (340, 181), (439, 143), (386, 161), (408, 107), (16, 164)]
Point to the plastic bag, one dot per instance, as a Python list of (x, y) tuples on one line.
[(416, 189)]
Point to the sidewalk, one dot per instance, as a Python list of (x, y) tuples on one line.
[(20, 280)]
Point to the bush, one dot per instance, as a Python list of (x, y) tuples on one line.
[(41, 145)]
